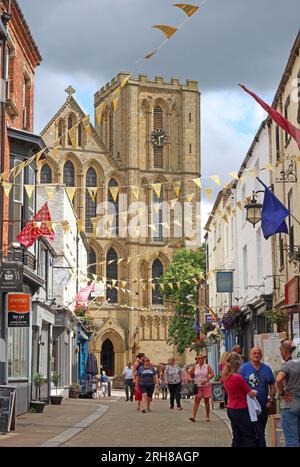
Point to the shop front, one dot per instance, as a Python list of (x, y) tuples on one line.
[(292, 307)]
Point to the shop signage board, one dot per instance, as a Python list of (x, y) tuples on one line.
[(278, 440), (7, 403), (11, 276), (224, 281), (270, 345), (18, 309)]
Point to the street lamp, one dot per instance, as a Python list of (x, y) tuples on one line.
[(254, 210)]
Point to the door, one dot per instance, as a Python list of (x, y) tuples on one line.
[(108, 358)]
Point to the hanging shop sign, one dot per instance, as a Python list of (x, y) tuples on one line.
[(18, 308), (224, 281), (11, 276)]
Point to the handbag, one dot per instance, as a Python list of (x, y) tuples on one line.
[(189, 389)]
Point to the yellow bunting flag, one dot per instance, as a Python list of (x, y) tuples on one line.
[(136, 191), (7, 187), (29, 190), (114, 190), (225, 218), (188, 9), (270, 167), (178, 284), (99, 113), (123, 283), (157, 188), (234, 175), (93, 192), (208, 192), (170, 285), (94, 221), (162, 286), (150, 55), (55, 151), (65, 225), (125, 81), (72, 135), (216, 179), (197, 181), (228, 208), (190, 197), (173, 202), (116, 101), (239, 205), (19, 168), (71, 190), (167, 30), (87, 125), (39, 155), (152, 227), (50, 190), (80, 225), (177, 187)]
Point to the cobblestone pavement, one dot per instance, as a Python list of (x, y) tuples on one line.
[(112, 422)]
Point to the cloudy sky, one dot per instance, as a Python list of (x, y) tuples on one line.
[(227, 42)]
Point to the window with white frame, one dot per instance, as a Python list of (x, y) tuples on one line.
[(18, 355)]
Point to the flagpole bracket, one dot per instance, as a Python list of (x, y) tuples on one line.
[(289, 175)]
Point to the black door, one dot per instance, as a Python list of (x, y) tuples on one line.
[(108, 358)]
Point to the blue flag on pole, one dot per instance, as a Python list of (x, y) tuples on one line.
[(273, 214)]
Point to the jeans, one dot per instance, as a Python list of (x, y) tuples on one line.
[(129, 383), (243, 432), (174, 394), (290, 422), (263, 419)]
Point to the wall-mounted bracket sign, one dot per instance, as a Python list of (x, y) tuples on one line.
[(11, 276)]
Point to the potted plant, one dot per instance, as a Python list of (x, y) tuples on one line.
[(233, 320), (206, 328), (37, 405), (74, 390), (55, 378)]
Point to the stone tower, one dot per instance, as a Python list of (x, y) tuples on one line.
[(142, 155)]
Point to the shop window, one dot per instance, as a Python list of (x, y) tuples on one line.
[(18, 352)]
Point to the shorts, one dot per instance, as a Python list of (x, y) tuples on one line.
[(204, 392), (147, 389)]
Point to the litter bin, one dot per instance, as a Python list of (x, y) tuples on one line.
[(109, 389)]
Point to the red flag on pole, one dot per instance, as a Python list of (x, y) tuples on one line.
[(277, 117), (31, 231)]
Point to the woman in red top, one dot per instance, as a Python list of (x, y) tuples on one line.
[(237, 389)]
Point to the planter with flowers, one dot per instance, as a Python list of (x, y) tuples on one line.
[(199, 344), (216, 335), (233, 320), (206, 328)]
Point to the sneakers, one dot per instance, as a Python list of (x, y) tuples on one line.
[(192, 419), (179, 408)]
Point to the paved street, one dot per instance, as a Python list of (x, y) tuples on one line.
[(116, 423)]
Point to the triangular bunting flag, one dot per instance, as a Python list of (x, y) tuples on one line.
[(190, 197), (55, 151), (216, 179), (99, 112), (80, 225), (167, 30), (157, 188), (7, 187), (234, 175), (114, 190), (65, 225), (177, 187), (93, 193), (29, 190), (239, 205), (152, 227), (72, 135), (50, 190), (71, 190), (87, 125), (136, 191), (197, 181), (208, 192), (173, 202), (188, 9), (39, 155)]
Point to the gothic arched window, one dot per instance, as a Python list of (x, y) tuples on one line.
[(157, 272), (157, 216), (46, 174), (61, 131), (158, 125), (92, 259), (69, 174), (111, 275), (113, 205), (90, 204)]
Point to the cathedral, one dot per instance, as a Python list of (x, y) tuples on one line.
[(134, 195)]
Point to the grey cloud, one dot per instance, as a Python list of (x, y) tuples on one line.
[(225, 43)]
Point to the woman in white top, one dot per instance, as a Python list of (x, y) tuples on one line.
[(202, 373)]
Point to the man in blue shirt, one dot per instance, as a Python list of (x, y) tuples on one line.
[(261, 378)]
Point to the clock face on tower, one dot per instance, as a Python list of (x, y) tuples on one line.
[(158, 138)]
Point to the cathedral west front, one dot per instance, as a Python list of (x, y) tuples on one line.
[(131, 178)]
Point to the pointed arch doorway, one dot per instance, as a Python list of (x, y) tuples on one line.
[(107, 357)]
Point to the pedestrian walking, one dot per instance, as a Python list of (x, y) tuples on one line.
[(104, 383), (237, 349), (129, 381), (136, 366), (173, 379), (163, 387), (202, 374), (243, 431), (222, 363), (260, 377), (147, 380), (288, 384)]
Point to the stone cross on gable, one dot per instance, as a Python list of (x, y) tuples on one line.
[(70, 91)]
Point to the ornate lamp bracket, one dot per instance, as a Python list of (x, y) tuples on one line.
[(289, 175)]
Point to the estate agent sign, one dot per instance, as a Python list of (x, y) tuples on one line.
[(11, 276), (18, 308)]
